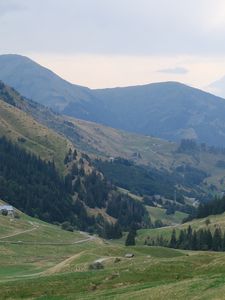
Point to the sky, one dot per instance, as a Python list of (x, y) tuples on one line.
[(107, 43)]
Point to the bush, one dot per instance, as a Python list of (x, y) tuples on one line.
[(96, 266), (5, 212), (67, 226)]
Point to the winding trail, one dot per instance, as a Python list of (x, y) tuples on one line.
[(18, 233)]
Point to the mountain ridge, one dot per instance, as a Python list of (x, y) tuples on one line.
[(168, 110)]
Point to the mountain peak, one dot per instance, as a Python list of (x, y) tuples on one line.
[(164, 109)]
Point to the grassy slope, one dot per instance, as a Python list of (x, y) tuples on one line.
[(42, 248), (106, 142), (49, 271), (158, 213), (97, 140), (215, 220), (153, 273), (40, 140)]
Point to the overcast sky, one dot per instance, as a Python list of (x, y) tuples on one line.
[(101, 43)]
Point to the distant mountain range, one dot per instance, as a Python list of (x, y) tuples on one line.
[(168, 110), (218, 87)]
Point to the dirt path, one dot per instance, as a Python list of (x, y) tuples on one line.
[(63, 264), (18, 233)]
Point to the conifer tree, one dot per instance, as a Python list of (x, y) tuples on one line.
[(173, 240), (130, 240), (217, 240)]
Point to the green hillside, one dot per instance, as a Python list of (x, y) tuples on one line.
[(158, 213), (104, 142), (213, 220), (71, 192), (24, 130), (41, 261)]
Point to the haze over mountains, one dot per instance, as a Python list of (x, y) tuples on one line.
[(169, 110), (218, 87)]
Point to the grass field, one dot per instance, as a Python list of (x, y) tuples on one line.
[(153, 273), (55, 265)]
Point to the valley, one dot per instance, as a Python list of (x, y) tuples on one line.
[(79, 188)]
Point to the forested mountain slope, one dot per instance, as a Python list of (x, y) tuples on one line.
[(43, 175), (157, 155)]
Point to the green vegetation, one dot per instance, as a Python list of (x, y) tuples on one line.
[(21, 128), (32, 185), (137, 179), (214, 207), (189, 239), (130, 240), (35, 187), (42, 174), (161, 156), (63, 272), (143, 180), (157, 213)]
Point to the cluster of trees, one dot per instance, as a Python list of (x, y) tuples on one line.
[(128, 212), (109, 230), (137, 179), (5, 95), (70, 156), (95, 191), (36, 188), (130, 240), (147, 181), (191, 176), (170, 206), (190, 146), (32, 185), (189, 239), (214, 207)]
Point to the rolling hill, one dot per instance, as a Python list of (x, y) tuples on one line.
[(39, 260), (75, 192), (169, 110), (100, 141)]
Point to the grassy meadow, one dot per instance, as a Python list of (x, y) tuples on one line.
[(41, 261)]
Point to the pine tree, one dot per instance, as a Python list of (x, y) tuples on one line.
[(173, 240), (223, 242), (209, 239), (130, 240), (194, 242), (181, 240), (217, 240)]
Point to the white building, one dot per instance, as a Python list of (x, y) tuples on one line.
[(9, 209)]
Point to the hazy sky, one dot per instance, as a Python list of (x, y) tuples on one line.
[(101, 43)]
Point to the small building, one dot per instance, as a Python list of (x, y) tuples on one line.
[(8, 208)]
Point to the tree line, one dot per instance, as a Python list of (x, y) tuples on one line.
[(213, 207), (189, 239)]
